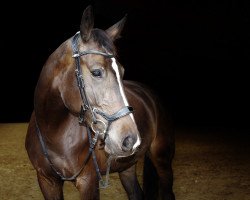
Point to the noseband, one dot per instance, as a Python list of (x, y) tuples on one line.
[(95, 123)]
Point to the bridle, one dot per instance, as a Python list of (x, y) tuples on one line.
[(94, 123), (86, 105)]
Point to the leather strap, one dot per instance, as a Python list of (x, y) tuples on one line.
[(119, 114)]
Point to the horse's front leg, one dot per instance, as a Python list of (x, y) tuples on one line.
[(130, 183), (51, 187), (87, 185)]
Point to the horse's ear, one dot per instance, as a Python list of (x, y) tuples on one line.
[(115, 30), (87, 23)]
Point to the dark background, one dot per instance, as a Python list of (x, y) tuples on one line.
[(193, 54)]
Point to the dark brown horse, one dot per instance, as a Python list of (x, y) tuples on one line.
[(88, 122)]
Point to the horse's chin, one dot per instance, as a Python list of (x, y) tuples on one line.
[(118, 154)]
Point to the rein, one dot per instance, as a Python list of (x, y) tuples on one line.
[(85, 107), (45, 152)]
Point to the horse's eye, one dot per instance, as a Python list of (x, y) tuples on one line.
[(97, 73)]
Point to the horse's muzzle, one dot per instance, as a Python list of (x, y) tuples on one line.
[(126, 147)]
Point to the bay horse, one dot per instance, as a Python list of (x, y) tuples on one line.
[(87, 121)]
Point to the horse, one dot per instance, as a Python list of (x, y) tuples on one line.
[(88, 121)]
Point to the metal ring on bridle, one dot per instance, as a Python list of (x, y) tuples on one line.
[(95, 128)]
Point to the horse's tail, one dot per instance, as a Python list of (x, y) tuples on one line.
[(150, 179)]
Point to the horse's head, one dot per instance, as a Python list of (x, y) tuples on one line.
[(104, 107)]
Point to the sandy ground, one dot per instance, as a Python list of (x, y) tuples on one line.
[(209, 164)]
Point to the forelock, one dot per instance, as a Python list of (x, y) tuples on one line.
[(103, 40)]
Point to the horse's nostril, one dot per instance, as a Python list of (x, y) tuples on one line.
[(128, 143)]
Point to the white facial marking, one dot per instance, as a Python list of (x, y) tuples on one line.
[(138, 142), (115, 67)]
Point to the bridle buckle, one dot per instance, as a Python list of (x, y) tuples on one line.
[(99, 126)]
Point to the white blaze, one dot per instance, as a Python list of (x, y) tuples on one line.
[(115, 67)]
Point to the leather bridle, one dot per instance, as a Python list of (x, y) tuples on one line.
[(86, 105)]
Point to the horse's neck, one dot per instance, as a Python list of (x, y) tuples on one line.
[(50, 109)]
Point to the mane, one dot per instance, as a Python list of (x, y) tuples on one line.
[(103, 40)]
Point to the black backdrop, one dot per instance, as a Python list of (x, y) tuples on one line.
[(194, 54)]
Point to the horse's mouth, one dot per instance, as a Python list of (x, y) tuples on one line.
[(118, 154), (112, 149)]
